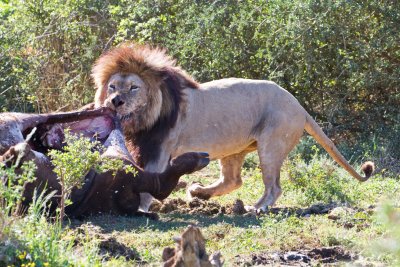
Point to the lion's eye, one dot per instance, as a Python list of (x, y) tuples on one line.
[(111, 87), (133, 88)]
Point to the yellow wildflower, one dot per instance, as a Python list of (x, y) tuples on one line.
[(22, 255)]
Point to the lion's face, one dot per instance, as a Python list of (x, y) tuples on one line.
[(125, 94), (143, 84), (129, 96)]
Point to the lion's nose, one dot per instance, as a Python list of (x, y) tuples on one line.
[(117, 101)]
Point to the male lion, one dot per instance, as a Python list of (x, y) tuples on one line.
[(166, 113)]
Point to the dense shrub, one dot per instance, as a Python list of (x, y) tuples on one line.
[(340, 59), (47, 49)]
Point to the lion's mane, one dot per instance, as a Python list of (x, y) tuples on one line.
[(160, 72)]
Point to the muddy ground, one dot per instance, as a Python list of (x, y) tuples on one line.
[(110, 247), (198, 206), (323, 255)]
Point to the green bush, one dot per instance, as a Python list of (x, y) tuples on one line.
[(33, 239), (389, 243), (47, 50), (318, 181), (340, 59)]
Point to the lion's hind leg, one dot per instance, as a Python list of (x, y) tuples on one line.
[(273, 146), (229, 180)]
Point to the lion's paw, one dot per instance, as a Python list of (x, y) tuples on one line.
[(197, 190), (254, 210)]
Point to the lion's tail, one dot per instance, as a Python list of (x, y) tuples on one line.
[(316, 131)]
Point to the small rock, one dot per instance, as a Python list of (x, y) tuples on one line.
[(348, 225), (339, 212), (295, 256), (333, 217)]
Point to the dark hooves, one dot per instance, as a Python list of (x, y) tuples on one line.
[(200, 159), (203, 160)]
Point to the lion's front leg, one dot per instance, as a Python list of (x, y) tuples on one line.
[(230, 178)]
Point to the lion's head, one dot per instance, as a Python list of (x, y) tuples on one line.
[(143, 84)]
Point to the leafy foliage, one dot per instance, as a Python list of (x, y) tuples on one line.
[(318, 181), (11, 188), (35, 241), (389, 216), (78, 157), (340, 59), (46, 52), (13, 183)]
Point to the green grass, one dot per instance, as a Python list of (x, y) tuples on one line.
[(319, 181)]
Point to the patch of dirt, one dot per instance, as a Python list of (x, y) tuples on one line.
[(195, 206), (298, 258), (209, 207), (331, 254), (203, 207), (351, 217), (237, 208), (109, 247), (168, 205)]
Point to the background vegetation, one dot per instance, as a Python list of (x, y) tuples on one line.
[(341, 59)]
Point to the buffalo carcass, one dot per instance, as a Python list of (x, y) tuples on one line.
[(101, 192)]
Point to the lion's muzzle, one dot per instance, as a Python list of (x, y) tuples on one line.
[(117, 101)]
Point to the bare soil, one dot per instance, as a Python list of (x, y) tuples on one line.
[(194, 206), (298, 258), (209, 207), (108, 245)]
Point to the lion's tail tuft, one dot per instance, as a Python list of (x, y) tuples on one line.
[(368, 168), (313, 129)]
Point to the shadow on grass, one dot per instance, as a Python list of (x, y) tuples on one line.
[(166, 222), (110, 223)]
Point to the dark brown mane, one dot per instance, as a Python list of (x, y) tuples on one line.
[(145, 145)]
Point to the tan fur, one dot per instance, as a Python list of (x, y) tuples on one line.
[(227, 118)]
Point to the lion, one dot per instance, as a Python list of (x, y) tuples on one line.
[(165, 113)]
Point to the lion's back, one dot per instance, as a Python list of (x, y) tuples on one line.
[(232, 83)]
